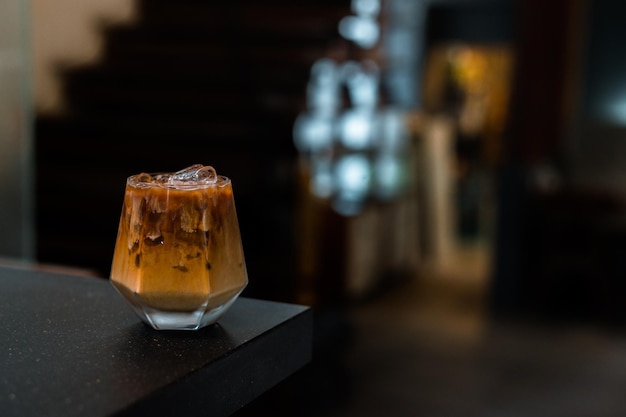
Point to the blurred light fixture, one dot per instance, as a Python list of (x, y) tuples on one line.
[(366, 7), (362, 29), (323, 86), (322, 181), (389, 178), (392, 135), (353, 174), (355, 129), (313, 132), (362, 81), (354, 152)]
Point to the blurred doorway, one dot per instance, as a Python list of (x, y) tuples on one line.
[(467, 78)]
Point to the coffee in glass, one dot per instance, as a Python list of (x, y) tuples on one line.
[(178, 257)]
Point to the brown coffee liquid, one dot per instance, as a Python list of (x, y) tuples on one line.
[(179, 249)]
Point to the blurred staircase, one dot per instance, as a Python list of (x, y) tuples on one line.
[(191, 81)]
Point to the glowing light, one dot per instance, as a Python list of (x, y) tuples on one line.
[(323, 86), (352, 176), (362, 81), (341, 141), (392, 132), (363, 31), (324, 71), (616, 111), (322, 184), (366, 7), (312, 132), (389, 176), (354, 129)]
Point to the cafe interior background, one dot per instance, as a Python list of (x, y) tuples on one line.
[(413, 170)]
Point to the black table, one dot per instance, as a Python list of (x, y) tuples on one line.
[(70, 346)]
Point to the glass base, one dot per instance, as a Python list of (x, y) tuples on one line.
[(159, 319), (182, 320)]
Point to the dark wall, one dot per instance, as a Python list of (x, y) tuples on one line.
[(605, 63), (560, 232), (481, 21)]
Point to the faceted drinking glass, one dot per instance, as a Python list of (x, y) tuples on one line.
[(178, 258)]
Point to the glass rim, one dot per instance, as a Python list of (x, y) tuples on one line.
[(134, 181)]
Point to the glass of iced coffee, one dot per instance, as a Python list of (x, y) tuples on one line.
[(178, 257)]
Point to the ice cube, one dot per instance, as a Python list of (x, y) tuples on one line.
[(207, 175), (193, 175), (186, 174), (143, 177)]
